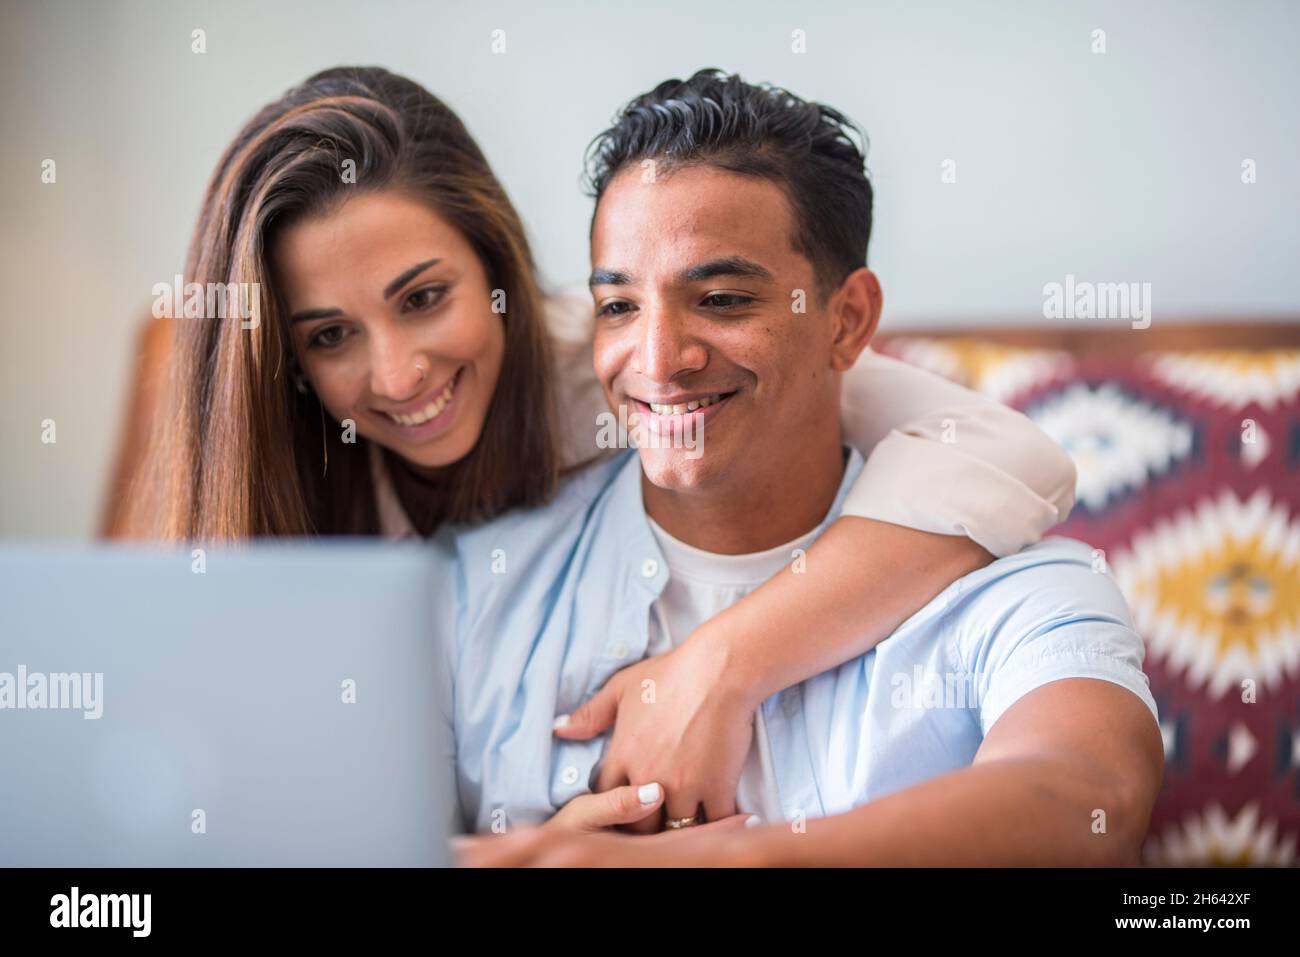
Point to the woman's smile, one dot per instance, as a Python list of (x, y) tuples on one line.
[(427, 417)]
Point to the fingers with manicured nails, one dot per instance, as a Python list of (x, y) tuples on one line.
[(633, 803), (614, 773), (591, 717), (622, 805)]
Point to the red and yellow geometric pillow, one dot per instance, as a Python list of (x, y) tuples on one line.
[(1189, 483)]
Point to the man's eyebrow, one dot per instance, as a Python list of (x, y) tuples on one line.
[(393, 287), (726, 266), (608, 277)]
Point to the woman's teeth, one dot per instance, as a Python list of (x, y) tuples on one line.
[(684, 407), (430, 411)]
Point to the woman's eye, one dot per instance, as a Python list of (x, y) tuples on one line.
[(329, 337), (614, 309), (725, 300), (425, 298)]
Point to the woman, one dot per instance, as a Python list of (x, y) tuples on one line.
[(403, 373)]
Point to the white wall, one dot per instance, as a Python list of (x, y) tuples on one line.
[(1113, 167)]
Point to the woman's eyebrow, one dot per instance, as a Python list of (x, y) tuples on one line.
[(395, 286), (307, 315)]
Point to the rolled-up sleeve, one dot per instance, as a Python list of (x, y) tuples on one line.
[(1041, 616), (943, 458)]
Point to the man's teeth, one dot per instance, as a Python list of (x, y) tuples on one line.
[(432, 410), (691, 406)]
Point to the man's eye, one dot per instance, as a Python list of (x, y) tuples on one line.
[(725, 300), (614, 309), (425, 298), (328, 338)]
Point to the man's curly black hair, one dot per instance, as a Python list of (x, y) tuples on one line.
[(810, 150)]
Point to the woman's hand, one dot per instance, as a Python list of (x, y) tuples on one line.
[(677, 720), (590, 813), (708, 845)]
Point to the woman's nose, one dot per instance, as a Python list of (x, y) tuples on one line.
[(397, 373)]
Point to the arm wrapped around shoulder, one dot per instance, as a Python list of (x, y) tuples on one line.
[(942, 458)]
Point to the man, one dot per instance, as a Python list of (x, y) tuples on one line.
[(1007, 722)]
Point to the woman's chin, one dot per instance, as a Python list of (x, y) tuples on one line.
[(432, 455)]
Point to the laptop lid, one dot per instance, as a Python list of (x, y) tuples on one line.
[(272, 705)]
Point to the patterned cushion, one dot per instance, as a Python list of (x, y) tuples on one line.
[(1189, 487)]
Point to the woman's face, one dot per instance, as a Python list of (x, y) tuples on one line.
[(391, 319)]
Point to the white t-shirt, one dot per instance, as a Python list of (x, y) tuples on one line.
[(701, 584)]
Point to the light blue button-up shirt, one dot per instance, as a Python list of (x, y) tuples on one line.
[(541, 607)]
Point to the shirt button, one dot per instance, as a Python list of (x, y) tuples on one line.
[(619, 651), (649, 568), (569, 775)]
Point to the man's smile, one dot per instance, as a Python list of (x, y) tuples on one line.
[(678, 410)]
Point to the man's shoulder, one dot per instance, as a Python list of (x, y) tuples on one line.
[(1050, 611), (1054, 555), (1055, 576), (1056, 597)]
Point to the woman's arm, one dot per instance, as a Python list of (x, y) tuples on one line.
[(952, 478), (943, 458)]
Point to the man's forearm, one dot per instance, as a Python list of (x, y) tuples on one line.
[(1017, 812)]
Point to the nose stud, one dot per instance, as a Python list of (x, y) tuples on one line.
[(423, 371)]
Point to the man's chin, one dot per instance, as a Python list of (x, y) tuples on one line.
[(676, 470)]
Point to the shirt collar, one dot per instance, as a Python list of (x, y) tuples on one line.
[(649, 569)]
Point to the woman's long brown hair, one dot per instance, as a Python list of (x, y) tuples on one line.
[(240, 452)]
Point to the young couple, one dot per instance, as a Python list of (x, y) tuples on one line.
[(657, 638)]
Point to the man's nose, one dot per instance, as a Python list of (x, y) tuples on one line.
[(395, 368), (668, 346)]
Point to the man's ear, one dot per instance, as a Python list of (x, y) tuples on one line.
[(855, 307)]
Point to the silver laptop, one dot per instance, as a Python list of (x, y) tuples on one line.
[(275, 705)]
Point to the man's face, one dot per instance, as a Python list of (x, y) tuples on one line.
[(696, 284)]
